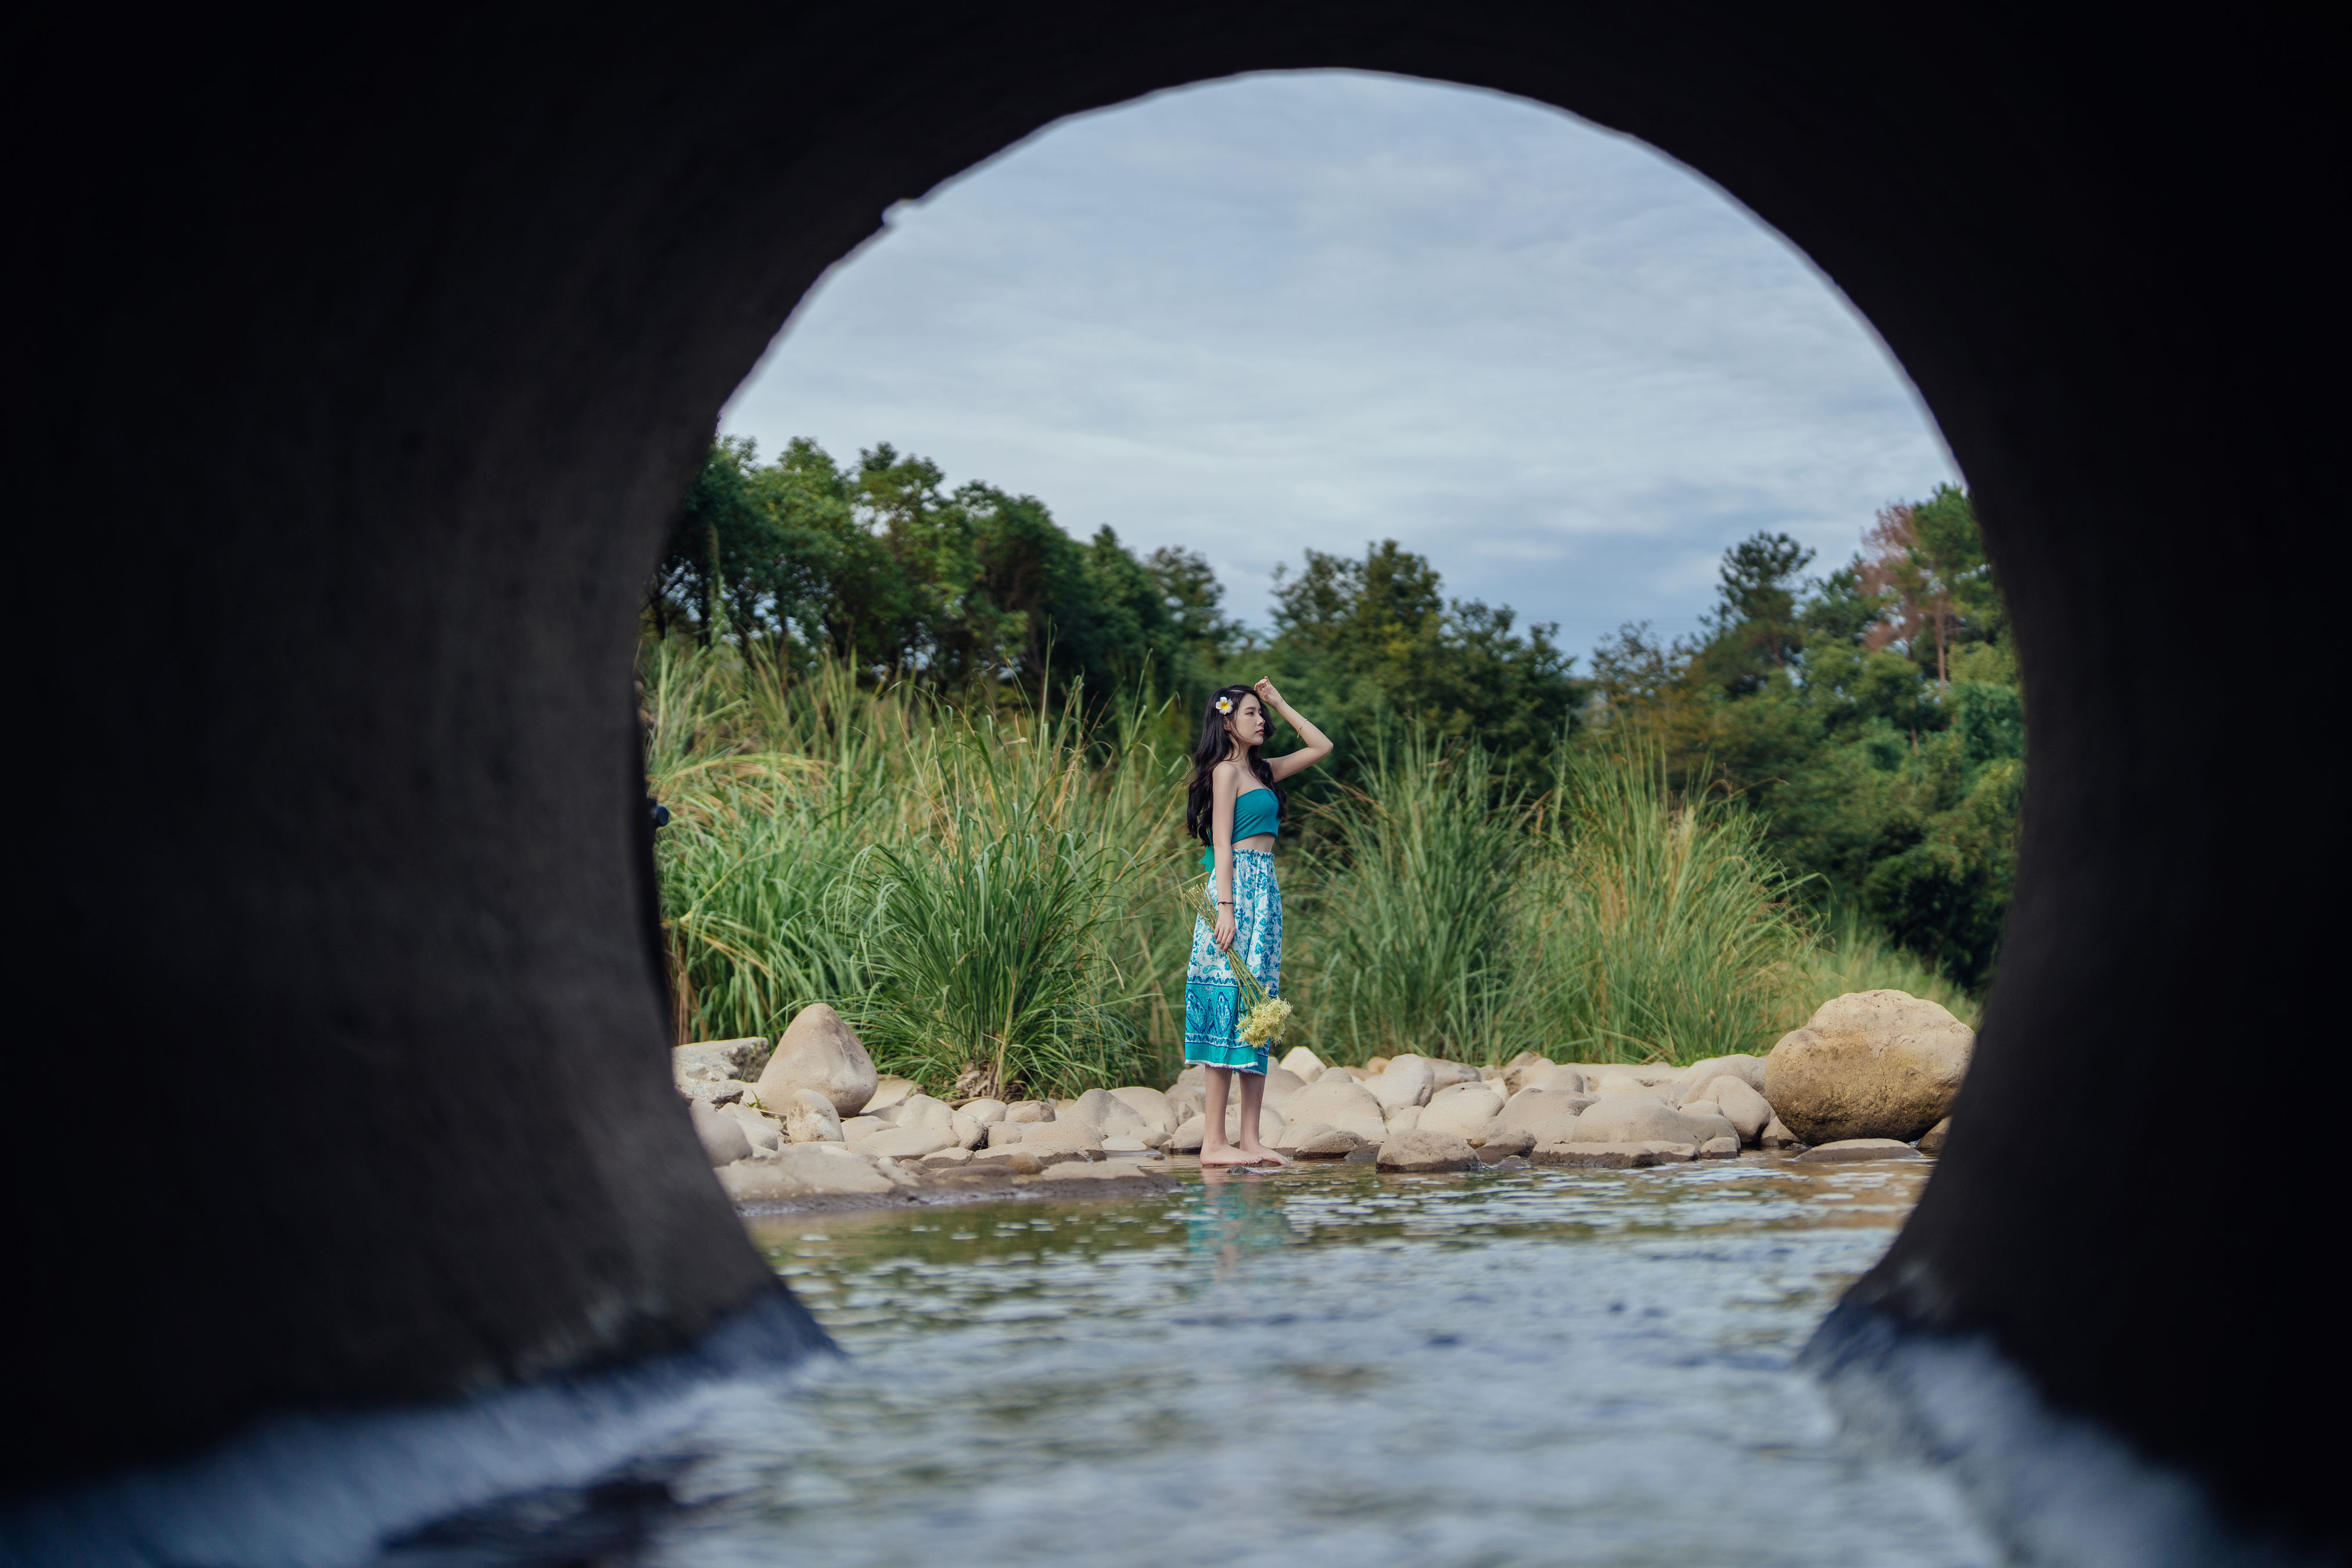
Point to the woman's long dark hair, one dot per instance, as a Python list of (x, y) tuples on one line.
[(1199, 799)]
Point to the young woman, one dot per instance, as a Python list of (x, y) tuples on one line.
[(1233, 806)]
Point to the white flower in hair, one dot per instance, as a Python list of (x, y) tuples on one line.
[(1224, 704)]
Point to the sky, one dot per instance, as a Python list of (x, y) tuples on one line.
[(1316, 309)]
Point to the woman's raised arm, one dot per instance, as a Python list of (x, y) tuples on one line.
[(1317, 746)]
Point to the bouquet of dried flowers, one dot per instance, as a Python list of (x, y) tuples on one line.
[(1263, 1013)]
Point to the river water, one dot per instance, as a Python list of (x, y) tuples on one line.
[(1325, 1365)]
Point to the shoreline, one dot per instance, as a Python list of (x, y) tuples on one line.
[(1124, 1178)]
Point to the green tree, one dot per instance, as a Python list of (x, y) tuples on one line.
[(729, 563), (1755, 628), (1375, 640), (1189, 591), (1872, 718), (882, 565), (1926, 562)]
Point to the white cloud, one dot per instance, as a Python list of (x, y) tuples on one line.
[(1315, 309)]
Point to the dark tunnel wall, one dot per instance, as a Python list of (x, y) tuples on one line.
[(358, 367)]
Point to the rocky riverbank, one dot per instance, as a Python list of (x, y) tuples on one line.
[(1871, 1076)]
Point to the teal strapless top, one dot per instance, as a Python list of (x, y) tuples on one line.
[(1253, 813)]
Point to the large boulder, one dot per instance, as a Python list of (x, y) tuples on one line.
[(717, 1060), (723, 1139), (1304, 1062), (1748, 1112), (805, 1170), (819, 1052), (1337, 1102), (986, 1112), (1463, 1109), (1501, 1144), (1869, 1064), (1186, 1102), (1638, 1119), (1425, 1151), (1407, 1081)]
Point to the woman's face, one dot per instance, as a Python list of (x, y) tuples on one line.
[(1246, 723)]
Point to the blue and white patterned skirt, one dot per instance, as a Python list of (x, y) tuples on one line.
[(1212, 1000)]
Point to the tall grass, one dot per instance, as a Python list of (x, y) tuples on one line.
[(995, 892), (1658, 928), (774, 787), (995, 931), (978, 891), (1614, 921), (1412, 931)]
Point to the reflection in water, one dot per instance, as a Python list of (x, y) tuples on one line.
[(1320, 1365), (1238, 1212)]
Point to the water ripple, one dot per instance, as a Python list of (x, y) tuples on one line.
[(1327, 1366)]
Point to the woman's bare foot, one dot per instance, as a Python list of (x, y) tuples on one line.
[(1262, 1156), (1226, 1154)]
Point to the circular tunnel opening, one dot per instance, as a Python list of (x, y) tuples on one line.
[(435, 362), (1451, 347)]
